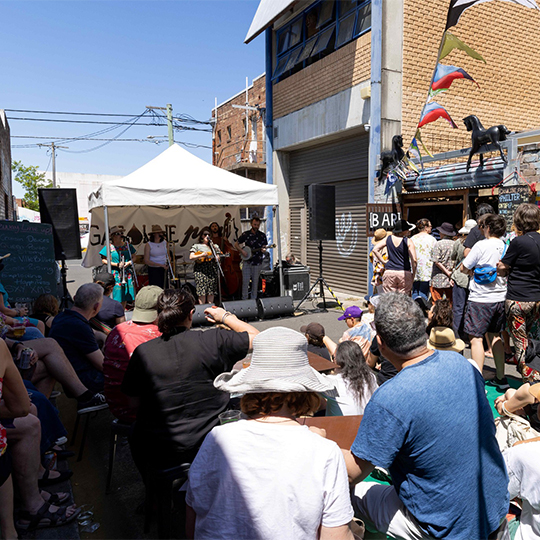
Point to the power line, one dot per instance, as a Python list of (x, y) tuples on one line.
[(188, 144), (74, 113), (81, 121)]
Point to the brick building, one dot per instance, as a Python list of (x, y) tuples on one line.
[(348, 75), (6, 195)]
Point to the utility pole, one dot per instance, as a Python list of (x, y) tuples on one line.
[(168, 110), (53, 150)]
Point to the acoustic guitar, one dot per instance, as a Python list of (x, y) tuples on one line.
[(250, 252), (210, 256)]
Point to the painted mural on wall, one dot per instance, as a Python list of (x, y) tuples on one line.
[(346, 234)]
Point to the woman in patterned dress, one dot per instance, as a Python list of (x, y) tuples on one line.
[(206, 274), (121, 259)]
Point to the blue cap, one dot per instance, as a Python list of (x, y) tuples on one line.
[(354, 311)]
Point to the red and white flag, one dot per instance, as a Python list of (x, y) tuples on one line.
[(457, 7)]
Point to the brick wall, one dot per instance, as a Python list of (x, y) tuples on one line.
[(334, 73), (236, 148), (506, 35)]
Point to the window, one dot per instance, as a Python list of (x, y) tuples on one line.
[(219, 137), (323, 28), (228, 133)]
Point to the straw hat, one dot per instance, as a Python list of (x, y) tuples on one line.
[(279, 364), (156, 229), (470, 224), (444, 339), (379, 234), (117, 229)]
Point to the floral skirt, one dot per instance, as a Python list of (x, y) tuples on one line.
[(206, 277)]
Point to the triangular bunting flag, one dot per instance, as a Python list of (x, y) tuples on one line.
[(444, 77), (451, 42), (433, 111), (418, 137)]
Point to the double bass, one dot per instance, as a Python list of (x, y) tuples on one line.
[(232, 274)]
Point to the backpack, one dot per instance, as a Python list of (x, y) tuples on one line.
[(486, 274)]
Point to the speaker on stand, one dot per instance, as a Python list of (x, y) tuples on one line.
[(322, 226), (58, 207)]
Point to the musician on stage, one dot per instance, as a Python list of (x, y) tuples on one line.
[(155, 257), (257, 242), (121, 265), (205, 267)]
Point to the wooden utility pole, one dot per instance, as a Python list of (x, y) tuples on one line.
[(53, 148), (168, 110)]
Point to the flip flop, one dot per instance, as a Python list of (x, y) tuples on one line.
[(55, 499), (46, 481), (44, 518)]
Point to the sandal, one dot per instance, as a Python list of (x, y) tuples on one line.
[(54, 498), (44, 518), (46, 481)]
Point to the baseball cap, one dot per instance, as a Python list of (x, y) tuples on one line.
[(314, 330), (105, 277), (146, 304), (353, 311)]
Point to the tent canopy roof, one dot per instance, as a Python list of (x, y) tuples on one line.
[(178, 178)]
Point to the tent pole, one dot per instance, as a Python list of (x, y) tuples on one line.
[(107, 239), (280, 258)]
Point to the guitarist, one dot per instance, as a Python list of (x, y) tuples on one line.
[(251, 269), (205, 269)]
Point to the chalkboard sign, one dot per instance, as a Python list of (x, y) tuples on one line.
[(510, 197), (381, 216), (31, 270)]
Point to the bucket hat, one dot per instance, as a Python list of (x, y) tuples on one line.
[(146, 304), (279, 363), (447, 229), (444, 339), (352, 311), (469, 225), (402, 225)]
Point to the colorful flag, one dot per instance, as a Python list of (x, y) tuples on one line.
[(418, 137), (444, 77), (433, 111), (457, 7), (414, 151), (451, 42)]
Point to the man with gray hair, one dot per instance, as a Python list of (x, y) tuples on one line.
[(432, 427), (73, 332)]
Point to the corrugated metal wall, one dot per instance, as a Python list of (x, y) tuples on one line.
[(343, 164)]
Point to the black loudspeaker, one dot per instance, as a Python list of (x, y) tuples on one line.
[(199, 318), (322, 212), (243, 309), (279, 306), (296, 279), (58, 207)]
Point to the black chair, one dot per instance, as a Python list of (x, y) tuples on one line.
[(85, 429), (117, 428), (159, 487)]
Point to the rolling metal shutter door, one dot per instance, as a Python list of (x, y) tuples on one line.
[(342, 164)]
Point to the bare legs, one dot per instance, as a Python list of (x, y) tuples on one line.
[(7, 525), (496, 345), (206, 299)]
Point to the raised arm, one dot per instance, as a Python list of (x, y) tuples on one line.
[(219, 315)]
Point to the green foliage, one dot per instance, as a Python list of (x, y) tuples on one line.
[(31, 180)]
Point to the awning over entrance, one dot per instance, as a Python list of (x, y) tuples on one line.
[(454, 176), (267, 12)]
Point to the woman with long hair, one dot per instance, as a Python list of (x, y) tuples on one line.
[(440, 314), (354, 381), (172, 378), (205, 270)]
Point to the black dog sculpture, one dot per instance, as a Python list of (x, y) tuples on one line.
[(394, 156), (481, 136)]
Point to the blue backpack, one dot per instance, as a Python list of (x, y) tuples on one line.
[(486, 274)]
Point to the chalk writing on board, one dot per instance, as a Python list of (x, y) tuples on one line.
[(510, 197), (31, 269)]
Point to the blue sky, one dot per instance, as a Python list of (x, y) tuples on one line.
[(118, 57)]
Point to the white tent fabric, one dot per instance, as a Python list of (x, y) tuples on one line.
[(267, 12), (178, 178)]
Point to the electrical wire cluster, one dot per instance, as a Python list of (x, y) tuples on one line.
[(183, 122)]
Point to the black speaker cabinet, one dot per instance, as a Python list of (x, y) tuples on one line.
[(243, 309), (322, 212), (198, 316), (296, 279), (58, 207), (280, 306)]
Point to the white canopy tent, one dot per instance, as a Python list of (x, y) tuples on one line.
[(175, 179)]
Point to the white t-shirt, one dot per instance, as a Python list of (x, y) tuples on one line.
[(487, 252), (345, 402), (524, 474), (253, 480)]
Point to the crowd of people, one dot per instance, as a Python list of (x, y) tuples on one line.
[(427, 425)]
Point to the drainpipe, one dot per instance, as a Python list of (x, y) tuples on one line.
[(375, 105), (269, 114)]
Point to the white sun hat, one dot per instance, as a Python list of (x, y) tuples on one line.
[(469, 225), (279, 364)]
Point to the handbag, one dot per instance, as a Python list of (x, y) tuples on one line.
[(486, 274), (512, 428)]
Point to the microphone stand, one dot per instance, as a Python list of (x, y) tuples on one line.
[(220, 270)]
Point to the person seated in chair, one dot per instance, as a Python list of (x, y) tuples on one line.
[(111, 312)]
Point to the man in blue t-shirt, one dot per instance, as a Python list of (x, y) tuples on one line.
[(432, 427)]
